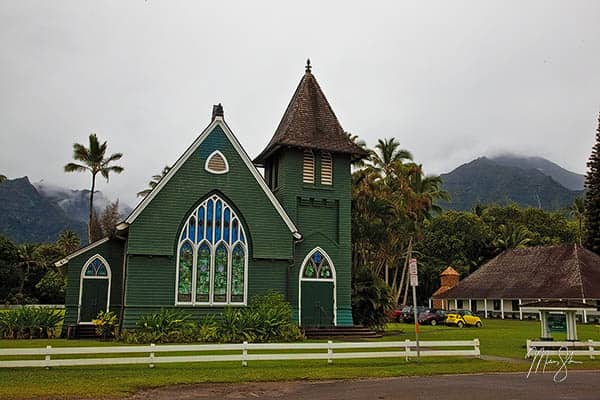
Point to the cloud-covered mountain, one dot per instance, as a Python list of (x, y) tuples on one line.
[(488, 181), (39, 212), (568, 179)]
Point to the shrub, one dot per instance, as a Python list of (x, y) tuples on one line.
[(105, 323), (28, 322), (165, 326), (371, 299), (268, 318)]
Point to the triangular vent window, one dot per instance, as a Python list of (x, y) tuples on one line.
[(216, 163)]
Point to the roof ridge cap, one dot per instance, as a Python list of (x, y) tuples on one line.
[(578, 268)]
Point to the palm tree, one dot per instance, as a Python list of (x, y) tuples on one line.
[(578, 212), (386, 153), (28, 259), (68, 242), (95, 161), (512, 236), (155, 180), (3, 178)]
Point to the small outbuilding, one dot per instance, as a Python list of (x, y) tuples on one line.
[(519, 276)]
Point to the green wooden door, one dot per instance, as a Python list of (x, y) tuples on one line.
[(317, 304), (94, 298)]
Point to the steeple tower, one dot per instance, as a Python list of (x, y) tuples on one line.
[(307, 166)]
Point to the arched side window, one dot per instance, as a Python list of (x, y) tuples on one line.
[(212, 257), (308, 168), (326, 169), (317, 266)]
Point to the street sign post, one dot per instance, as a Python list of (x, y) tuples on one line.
[(414, 282)]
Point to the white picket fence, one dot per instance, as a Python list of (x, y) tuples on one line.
[(551, 348), (246, 352)]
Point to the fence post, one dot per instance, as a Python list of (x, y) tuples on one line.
[(47, 358), (407, 348), (477, 351), (329, 352), (152, 345), (591, 348), (245, 354)]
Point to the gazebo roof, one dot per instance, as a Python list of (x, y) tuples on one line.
[(557, 305), (545, 272)]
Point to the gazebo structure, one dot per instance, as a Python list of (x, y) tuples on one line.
[(568, 307), (520, 276)]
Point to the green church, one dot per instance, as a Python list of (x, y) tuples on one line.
[(215, 232)]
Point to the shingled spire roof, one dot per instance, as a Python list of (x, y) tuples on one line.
[(309, 122)]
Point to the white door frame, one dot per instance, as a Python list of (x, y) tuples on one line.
[(332, 279), (82, 277)]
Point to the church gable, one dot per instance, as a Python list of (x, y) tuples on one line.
[(215, 163)]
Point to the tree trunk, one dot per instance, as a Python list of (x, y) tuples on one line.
[(403, 276), (91, 208)]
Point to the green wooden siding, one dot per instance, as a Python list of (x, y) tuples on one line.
[(322, 214), (112, 251), (156, 229), (151, 285)]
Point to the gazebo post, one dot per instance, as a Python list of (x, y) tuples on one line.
[(485, 307), (502, 308), (544, 322), (520, 311), (571, 325)]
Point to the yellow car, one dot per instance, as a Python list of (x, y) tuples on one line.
[(461, 318)]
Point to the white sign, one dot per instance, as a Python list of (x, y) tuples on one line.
[(412, 266), (414, 280)]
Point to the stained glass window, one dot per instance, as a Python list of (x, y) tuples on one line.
[(186, 260), (203, 274), (96, 268), (238, 267), (221, 278), (317, 267), (212, 255)]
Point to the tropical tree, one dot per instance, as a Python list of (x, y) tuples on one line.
[(154, 181), (94, 160), (592, 197), (68, 242), (578, 212), (386, 153), (512, 236)]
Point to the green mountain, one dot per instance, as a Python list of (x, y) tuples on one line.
[(568, 179), (489, 182), (27, 216)]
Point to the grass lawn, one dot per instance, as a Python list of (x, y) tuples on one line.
[(498, 338)]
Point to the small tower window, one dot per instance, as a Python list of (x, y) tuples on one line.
[(216, 163), (308, 172), (326, 169)]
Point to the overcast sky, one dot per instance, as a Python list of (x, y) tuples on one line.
[(451, 80)]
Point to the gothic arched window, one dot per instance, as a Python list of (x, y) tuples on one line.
[(212, 258)]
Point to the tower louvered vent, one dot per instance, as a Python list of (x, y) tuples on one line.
[(326, 169), (308, 175)]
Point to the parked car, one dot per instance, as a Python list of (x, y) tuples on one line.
[(461, 318), (397, 313), (432, 317), (408, 314)]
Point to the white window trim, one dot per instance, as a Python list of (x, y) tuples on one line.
[(212, 171), (332, 279), (228, 247), (82, 277)]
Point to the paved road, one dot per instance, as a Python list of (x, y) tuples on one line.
[(578, 386)]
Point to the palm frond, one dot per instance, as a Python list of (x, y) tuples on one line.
[(72, 167)]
